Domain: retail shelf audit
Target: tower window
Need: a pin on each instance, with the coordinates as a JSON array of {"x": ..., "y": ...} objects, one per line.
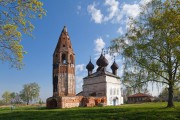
[
  {"x": 64, "y": 46},
  {"x": 64, "y": 61}
]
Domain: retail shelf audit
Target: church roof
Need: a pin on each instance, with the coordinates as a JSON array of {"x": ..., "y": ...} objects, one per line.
[
  {"x": 80, "y": 94},
  {"x": 100, "y": 73},
  {"x": 139, "y": 95}
]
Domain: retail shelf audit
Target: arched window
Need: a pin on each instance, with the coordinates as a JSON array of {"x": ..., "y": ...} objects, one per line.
[
  {"x": 71, "y": 59},
  {"x": 117, "y": 91},
  {"x": 111, "y": 91},
  {"x": 64, "y": 61},
  {"x": 114, "y": 91}
]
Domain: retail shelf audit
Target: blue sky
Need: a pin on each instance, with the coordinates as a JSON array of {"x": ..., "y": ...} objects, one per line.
[{"x": 91, "y": 25}]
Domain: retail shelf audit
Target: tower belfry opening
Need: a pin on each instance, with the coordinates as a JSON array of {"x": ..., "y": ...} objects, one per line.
[{"x": 64, "y": 61}]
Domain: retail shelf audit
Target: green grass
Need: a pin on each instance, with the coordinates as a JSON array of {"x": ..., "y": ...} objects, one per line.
[{"x": 147, "y": 111}]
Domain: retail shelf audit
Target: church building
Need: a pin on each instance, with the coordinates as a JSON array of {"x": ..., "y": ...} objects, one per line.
[
  {"x": 103, "y": 83},
  {"x": 100, "y": 87}
]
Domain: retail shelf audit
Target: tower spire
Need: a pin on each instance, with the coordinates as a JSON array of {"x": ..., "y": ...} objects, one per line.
[{"x": 65, "y": 29}]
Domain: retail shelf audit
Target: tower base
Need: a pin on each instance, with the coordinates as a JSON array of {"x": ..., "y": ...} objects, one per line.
[{"x": 76, "y": 101}]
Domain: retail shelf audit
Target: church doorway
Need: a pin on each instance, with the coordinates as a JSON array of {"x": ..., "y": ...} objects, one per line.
[{"x": 115, "y": 101}]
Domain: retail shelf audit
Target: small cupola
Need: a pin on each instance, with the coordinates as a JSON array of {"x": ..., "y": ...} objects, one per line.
[
  {"x": 114, "y": 67},
  {"x": 102, "y": 61},
  {"x": 90, "y": 67}
]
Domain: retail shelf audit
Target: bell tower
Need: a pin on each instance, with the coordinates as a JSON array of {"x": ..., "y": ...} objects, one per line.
[{"x": 64, "y": 66}]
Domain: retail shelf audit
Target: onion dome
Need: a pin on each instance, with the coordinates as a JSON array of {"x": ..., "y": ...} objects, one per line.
[
  {"x": 99, "y": 68},
  {"x": 102, "y": 61},
  {"x": 90, "y": 66},
  {"x": 98, "y": 62},
  {"x": 114, "y": 66}
]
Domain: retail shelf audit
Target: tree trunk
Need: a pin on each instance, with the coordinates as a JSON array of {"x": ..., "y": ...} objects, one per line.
[
  {"x": 170, "y": 96},
  {"x": 27, "y": 102}
]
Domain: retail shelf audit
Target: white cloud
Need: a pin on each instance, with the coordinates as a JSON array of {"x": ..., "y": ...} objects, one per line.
[
  {"x": 120, "y": 71},
  {"x": 99, "y": 45},
  {"x": 80, "y": 68},
  {"x": 131, "y": 10},
  {"x": 96, "y": 14},
  {"x": 113, "y": 9},
  {"x": 143, "y": 2},
  {"x": 120, "y": 30},
  {"x": 110, "y": 61},
  {"x": 115, "y": 13},
  {"x": 79, "y": 7}
]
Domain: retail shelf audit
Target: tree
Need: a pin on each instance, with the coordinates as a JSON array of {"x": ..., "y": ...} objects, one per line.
[
  {"x": 6, "y": 97},
  {"x": 15, "y": 17},
  {"x": 1, "y": 102},
  {"x": 132, "y": 80},
  {"x": 40, "y": 102},
  {"x": 30, "y": 92},
  {"x": 15, "y": 98},
  {"x": 163, "y": 96},
  {"x": 152, "y": 44}
]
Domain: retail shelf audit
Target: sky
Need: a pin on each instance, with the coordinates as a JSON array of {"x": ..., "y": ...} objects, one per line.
[{"x": 91, "y": 25}]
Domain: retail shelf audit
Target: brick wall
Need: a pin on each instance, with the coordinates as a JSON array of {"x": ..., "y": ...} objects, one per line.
[{"x": 76, "y": 101}]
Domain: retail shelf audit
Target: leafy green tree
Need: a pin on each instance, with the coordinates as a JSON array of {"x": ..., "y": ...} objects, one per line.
[
  {"x": 1, "y": 102},
  {"x": 15, "y": 98},
  {"x": 40, "y": 102},
  {"x": 152, "y": 44},
  {"x": 132, "y": 80},
  {"x": 30, "y": 92},
  {"x": 6, "y": 97},
  {"x": 15, "y": 20},
  {"x": 163, "y": 96}
]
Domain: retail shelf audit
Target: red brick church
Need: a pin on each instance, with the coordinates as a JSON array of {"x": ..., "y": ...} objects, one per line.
[{"x": 64, "y": 93}]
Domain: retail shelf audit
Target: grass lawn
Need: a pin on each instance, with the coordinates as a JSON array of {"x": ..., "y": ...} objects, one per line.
[{"x": 146, "y": 111}]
